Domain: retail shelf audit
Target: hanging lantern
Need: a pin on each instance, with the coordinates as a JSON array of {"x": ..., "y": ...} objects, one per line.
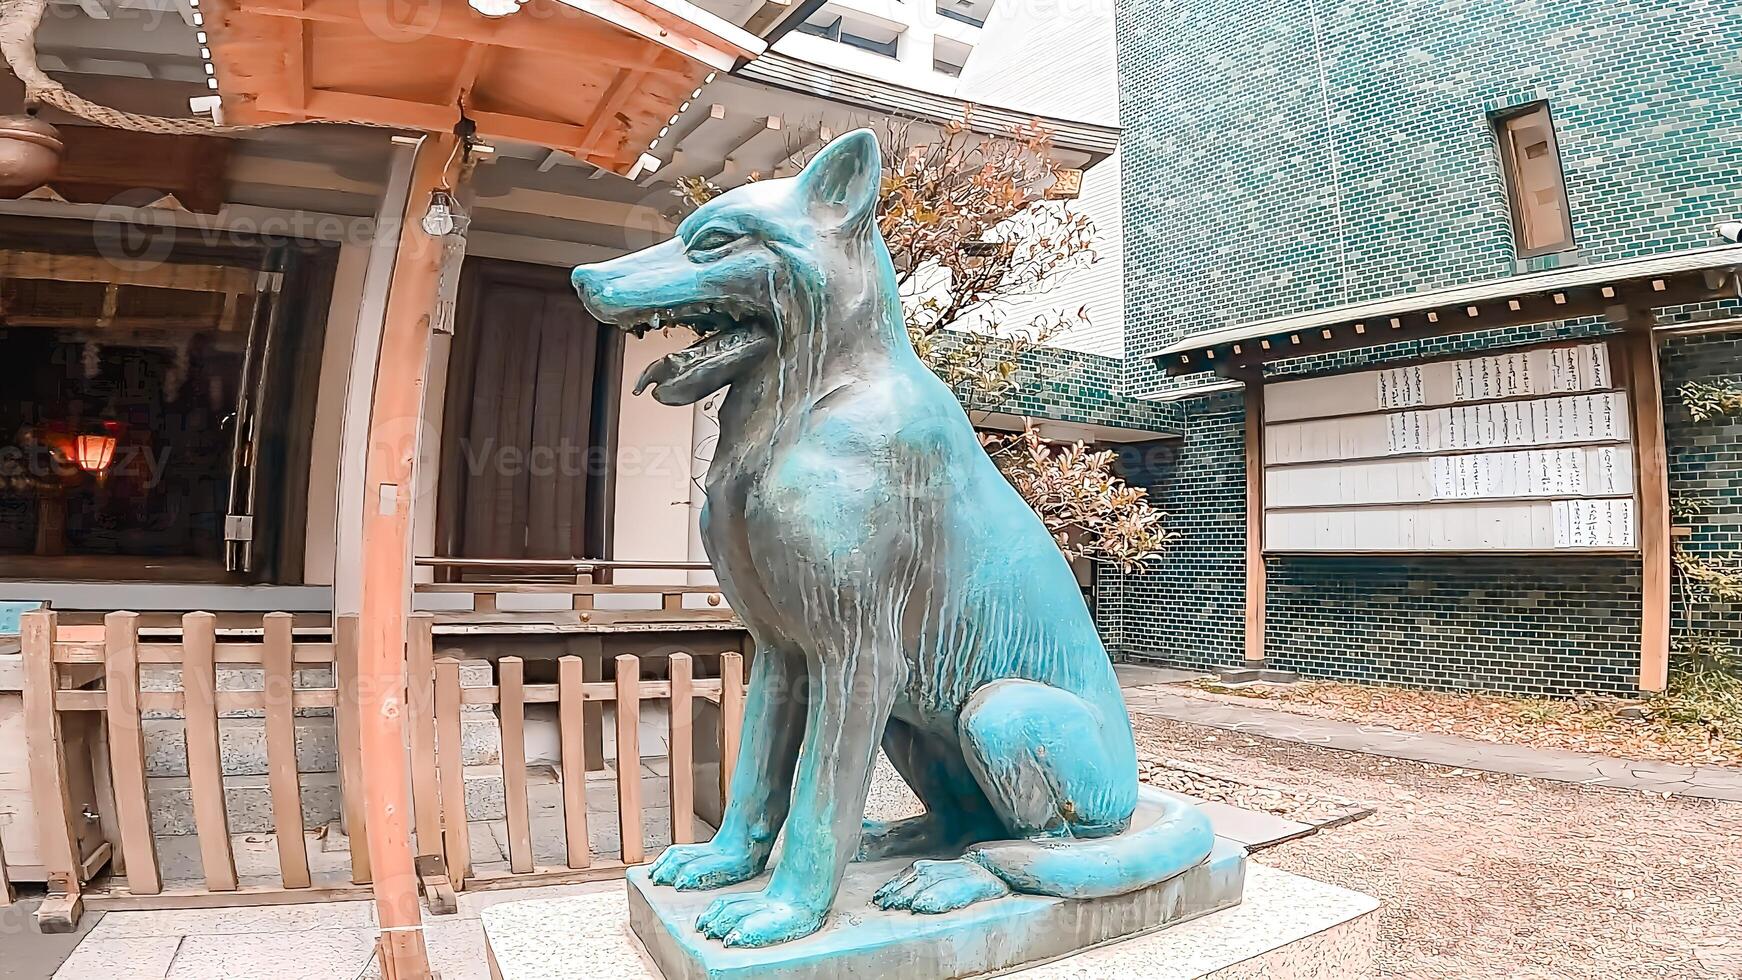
[
  {"x": 94, "y": 453},
  {"x": 30, "y": 154}
]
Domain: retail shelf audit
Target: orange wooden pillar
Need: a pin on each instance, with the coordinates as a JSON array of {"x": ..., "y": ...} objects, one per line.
[{"x": 395, "y": 419}]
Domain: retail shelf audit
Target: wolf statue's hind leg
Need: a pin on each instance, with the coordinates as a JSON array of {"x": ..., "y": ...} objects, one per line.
[
  {"x": 957, "y": 812},
  {"x": 1065, "y": 784}
]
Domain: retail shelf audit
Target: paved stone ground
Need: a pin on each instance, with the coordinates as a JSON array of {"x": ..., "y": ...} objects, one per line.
[
  {"x": 1493, "y": 875},
  {"x": 26, "y": 954},
  {"x": 1706, "y": 782}
]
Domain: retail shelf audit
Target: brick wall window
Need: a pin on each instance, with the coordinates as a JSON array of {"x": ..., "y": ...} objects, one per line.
[{"x": 1536, "y": 189}]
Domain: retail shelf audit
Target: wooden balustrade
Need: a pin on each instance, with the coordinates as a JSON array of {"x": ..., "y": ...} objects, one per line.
[{"x": 70, "y": 670}]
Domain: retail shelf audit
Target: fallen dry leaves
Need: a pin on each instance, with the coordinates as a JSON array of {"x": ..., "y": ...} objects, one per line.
[{"x": 1591, "y": 724}]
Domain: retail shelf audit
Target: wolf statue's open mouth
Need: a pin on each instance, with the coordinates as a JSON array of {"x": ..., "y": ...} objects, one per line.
[{"x": 730, "y": 335}]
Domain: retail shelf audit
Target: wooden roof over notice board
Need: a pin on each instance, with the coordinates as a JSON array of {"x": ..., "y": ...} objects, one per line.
[
  {"x": 595, "y": 78},
  {"x": 1693, "y": 276}
]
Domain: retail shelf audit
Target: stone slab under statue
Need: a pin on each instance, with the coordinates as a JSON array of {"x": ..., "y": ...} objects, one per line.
[
  {"x": 902, "y": 596},
  {"x": 860, "y": 940},
  {"x": 1285, "y": 928}
]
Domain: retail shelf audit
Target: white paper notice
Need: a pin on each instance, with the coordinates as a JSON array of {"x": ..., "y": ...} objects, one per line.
[
  {"x": 1608, "y": 413},
  {"x": 1623, "y": 522},
  {"x": 1564, "y": 370},
  {"x": 1400, "y": 387},
  {"x": 1608, "y": 471},
  {"x": 1597, "y": 366},
  {"x": 1593, "y": 523}
]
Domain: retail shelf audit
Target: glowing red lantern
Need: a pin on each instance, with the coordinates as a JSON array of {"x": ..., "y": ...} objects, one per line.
[{"x": 94, "y": 453}]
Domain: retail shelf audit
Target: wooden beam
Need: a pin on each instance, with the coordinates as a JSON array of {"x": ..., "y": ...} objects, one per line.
[
  {"x": 121, "y": 272},
  {"x": 1256, "y": 585},
  {"x": 296, "y": 60},
  {"x": 1651, "y": 464},
  {"x": 389, "y": 474},
  {"x": 467, "y": 75},
  {"x": 457, "y": 22},
  {"x": 1562, "y": 305},
  {"x": 677, "y": 162},
  {"x": 431, "y": 118},
  {"x": 627, "y": 82},
  {"x": 736, "y": 165}
]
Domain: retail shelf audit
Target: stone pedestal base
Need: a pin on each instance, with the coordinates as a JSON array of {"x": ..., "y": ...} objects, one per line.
[
  {"x": 862, "y": 941},
  {"x": 1287, "y": 928}
]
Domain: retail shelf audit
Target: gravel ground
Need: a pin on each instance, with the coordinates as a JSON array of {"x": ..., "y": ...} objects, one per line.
[
  {"x": 1483, "y": 875},
  {"x": 1319, "y": 809}
]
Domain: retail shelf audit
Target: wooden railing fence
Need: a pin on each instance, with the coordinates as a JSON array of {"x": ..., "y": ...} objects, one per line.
[
  {"x": 62, "y": 676},
  {"x": 69, "y": 671},
  {"x": 438, "y": 777}
]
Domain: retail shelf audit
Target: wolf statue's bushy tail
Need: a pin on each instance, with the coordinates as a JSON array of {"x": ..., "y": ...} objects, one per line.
[{"x": 885, "y": 569}]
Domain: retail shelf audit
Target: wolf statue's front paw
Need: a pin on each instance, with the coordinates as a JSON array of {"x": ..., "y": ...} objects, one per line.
[
  {"x": 758, "y": 919},
  {"x": 703, "y": 867},
  {"x": 934, "y": 887}
]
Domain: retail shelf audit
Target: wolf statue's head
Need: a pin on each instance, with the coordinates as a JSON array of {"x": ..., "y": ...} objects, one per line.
[{"x": 780, "y": 279}]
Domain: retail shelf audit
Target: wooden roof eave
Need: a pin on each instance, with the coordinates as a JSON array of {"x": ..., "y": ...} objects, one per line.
[
  {"x": 1696, "y": 276},
  {"x": 681, "y": 26},
  {"x": 632, "y": 43}
]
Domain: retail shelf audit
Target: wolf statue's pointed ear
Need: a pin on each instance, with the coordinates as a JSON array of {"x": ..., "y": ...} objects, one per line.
[{"x": 842, "y": 184}]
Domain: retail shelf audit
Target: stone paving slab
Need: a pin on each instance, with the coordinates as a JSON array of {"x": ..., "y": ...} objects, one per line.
[
  {"x": 1254, "y": 829},
  {"x": 1704, "y": 782}
]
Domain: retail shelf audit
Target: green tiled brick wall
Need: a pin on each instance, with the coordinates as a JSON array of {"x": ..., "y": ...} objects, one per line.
[
  {"x": 1705, "y": 462},
  {"x": 1241, "y": 204},
  {"x": 1539, "y": 626},
  {"x": 1189, "y": 607},
  {"x": 1073, "y": 386},
  {"x": 1285, "y": 157}
]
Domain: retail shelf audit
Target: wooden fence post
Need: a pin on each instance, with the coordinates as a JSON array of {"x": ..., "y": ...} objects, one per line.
[
  {"x": 56, "y": 837},
  {"x": 199, "y": 683},
  {"x": 681, "y": 777},
  {"x": 345, "y": 718},
  {"x": 629, "y": 759},
  {"x": 450, "y": 763},
  {"x": 432, "y": 867},
  {"x": 571, "y": 690},
  {"x": 731, "y": 718},
  {"x": 127, "y": 750},
  {"x": 512, "y": 698},
  {"x": 282, "y": 779}
]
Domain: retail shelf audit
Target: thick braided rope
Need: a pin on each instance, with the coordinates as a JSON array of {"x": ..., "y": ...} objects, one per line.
[{"x": 18, "y": 24}]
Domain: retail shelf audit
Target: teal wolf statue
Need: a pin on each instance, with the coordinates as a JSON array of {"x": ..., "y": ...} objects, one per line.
[{"x": 899, "y": 591}]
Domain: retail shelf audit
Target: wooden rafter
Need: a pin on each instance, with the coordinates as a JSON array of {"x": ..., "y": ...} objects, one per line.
[
  {"x": 600, "y": 124},
  {"x": 436, "y": 118},
  {"x": 296, "y": 60},
  {"x": 470, "y": 68}
]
